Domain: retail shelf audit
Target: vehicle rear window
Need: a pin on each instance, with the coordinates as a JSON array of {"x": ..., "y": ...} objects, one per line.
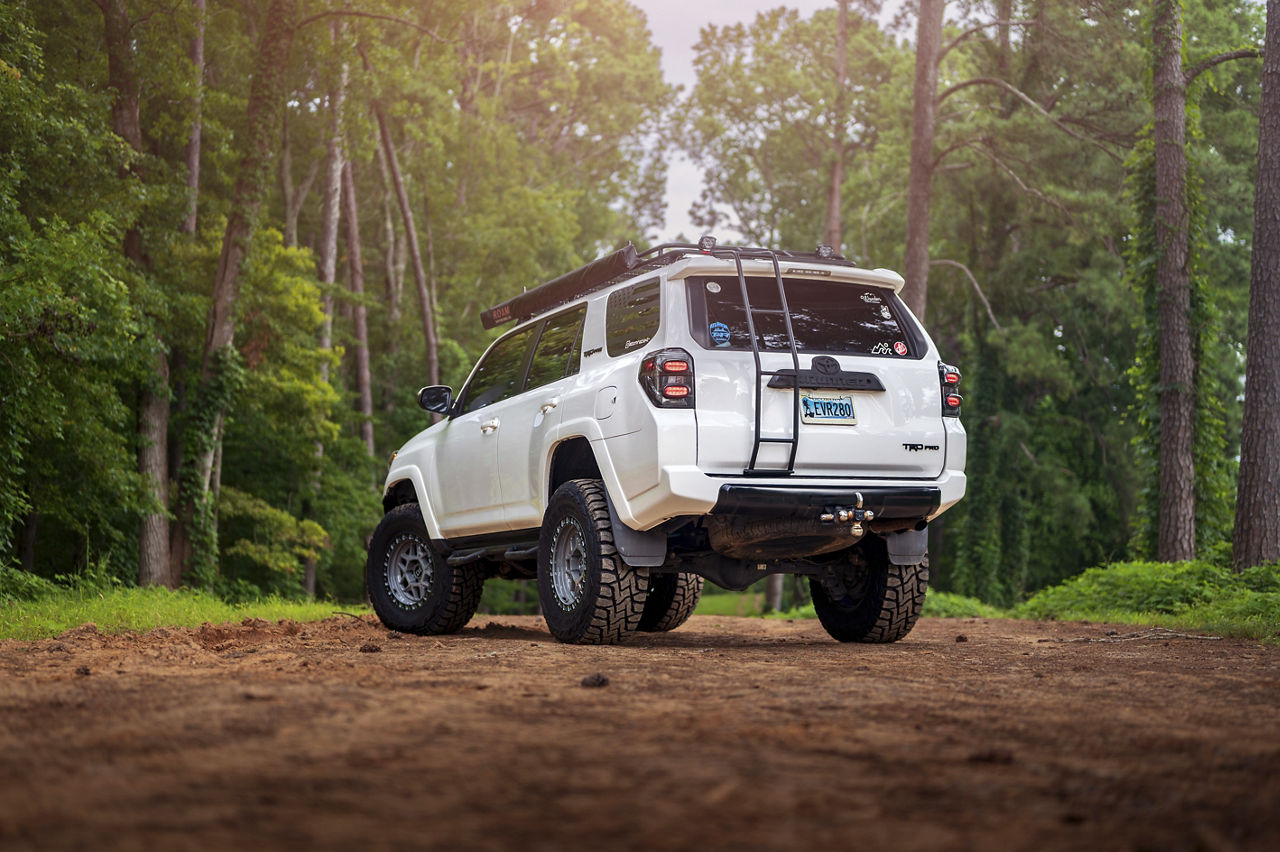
[
  {"x": 826, "y": 316},
  {"x": 631, "y": 319}
]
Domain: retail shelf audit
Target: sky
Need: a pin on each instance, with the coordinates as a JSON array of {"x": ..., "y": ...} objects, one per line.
[{"x": 675, "y": 25}]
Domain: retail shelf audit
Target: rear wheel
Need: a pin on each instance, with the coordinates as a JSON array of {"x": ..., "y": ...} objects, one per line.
[
  {"x": 588, "y": 595},
  {"x": 412, "y": 588},
  {"x": 869, "y": 599},
  {"x": 672, "y": 599}
]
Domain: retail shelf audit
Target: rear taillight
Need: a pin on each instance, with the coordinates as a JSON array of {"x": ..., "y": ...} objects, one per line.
[
  {"x": 950, "y": 379},
  {"x": 667, "y": 377}
]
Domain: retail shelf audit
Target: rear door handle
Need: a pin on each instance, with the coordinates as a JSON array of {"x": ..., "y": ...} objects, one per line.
[{"x": 489, "y": 426}]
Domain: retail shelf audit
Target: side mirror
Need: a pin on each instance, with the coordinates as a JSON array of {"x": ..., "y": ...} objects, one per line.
[{"x": 437, "y": 398}]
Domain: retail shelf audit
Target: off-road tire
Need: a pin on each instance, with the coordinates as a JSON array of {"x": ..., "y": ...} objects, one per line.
[
  {"x": 878, "y": 602},
  {"x": 672, "y": 599},
  {"x": 410, "y": 585},
  {"x": 588, "y": 596}
]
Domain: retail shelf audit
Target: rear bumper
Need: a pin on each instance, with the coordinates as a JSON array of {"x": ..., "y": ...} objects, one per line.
[
  {"x": 686, "y": 490},
  {"x": 913, "y": 502}
]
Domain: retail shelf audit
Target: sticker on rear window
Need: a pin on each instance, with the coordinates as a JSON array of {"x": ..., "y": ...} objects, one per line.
[
  {"x": 713, "y": 287},
  {"x": 719, "y": 333},
  {"x": 900, "y": 348}
]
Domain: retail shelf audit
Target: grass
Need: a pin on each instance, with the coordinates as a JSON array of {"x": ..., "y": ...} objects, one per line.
[
  {"x": 731, "y": 603},
  {"x": 1190, "y": 596},
  {"x": 121, "y": 609}
]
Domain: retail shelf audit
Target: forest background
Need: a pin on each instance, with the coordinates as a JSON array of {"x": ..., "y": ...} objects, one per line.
[{"x": 236, "y": 237}]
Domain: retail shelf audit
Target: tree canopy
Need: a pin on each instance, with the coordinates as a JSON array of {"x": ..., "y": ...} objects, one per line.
[{"x": 487, "y": 147}]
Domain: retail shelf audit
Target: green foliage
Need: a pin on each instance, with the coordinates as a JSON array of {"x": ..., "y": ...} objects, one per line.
[
  {"x": 277, "y": 540},
  {"x": 68, "y": 332},
  {"x": 532, "y": 137},
  {"x": 760, "y": 122},
  {"x": 119, "y": 610},
  {"x": 1132, "y": 587},
  {"x": 18, "y": 585},
  {"x": 949, "y": 605},
  {"x": 509, "y": 597},
  {"x": 1189, "y": 596}
]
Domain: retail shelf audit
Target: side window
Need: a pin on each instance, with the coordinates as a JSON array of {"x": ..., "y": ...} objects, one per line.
[
  {"x": 501, "y": 373},
  {"x": 559, "y": 348},
  {"x": 631, "y": 319}
]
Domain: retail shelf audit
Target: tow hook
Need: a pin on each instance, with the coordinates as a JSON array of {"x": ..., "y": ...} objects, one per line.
[{"x": 846, "y": 515}]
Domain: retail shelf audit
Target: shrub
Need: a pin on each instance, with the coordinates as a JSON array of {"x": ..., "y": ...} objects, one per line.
[
  {"x": 19, "y": 585},
  {"x": 1153, "y": 587}
]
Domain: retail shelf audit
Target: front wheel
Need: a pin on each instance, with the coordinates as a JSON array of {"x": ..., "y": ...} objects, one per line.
[
  {"x": 871, "y": 600},
  {"x": 588, "y": 595},
  {"x": 412, "y": 588}
]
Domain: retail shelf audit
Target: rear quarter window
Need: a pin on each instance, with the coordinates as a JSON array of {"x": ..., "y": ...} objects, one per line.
[{"x": 631, "y": 318}]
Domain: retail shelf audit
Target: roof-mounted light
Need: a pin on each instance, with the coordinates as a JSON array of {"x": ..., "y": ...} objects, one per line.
[
  {"x": 706, "y": 243},
  {"x": 825, "y": 252}
]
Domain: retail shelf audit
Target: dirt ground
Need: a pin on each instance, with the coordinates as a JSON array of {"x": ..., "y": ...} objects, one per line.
[{"x": 727, "y": 733}]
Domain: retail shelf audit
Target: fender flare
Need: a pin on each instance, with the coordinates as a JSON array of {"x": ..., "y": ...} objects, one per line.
[{"x": 413, "y": 475}]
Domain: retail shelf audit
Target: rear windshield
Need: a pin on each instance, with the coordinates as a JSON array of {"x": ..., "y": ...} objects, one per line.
[{"x": 826, "y": 316}]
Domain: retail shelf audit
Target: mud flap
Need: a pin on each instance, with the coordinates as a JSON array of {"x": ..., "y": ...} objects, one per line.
[
  {"x": 907, "y": 547},
  {"x": 638, "y": 549}
]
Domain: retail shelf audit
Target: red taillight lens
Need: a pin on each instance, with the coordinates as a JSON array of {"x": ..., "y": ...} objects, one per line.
[
  {"x": 667, "y": 378},
  {"x": 949, "y": 377}
]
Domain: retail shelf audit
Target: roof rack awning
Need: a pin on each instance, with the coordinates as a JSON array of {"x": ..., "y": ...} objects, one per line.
[{"x": 569, "y": 286}]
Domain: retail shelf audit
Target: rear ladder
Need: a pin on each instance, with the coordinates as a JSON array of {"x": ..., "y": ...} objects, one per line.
[{"x": 762, "y": 374}]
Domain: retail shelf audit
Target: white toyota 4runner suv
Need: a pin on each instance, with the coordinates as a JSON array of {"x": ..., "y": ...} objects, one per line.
[{"x": 688, "y": 412}]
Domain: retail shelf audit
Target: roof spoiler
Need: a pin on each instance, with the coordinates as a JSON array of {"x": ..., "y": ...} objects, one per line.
[{"x": 557, "y": 291}]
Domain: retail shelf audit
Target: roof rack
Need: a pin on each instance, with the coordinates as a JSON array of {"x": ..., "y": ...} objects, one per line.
[{"x": 626, "y": 262}]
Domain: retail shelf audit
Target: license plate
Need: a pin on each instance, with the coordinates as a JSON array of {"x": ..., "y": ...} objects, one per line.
[{"x": 826, "y": 408}]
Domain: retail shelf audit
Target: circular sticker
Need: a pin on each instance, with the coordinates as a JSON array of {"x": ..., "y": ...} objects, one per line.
[
  {"x": 719, "y": 333},
  {"x": 900, "y": 348},
  {"x": 713, "y": 287}
]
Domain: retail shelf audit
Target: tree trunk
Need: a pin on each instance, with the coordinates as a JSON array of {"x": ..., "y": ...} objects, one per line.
[
  {"x": 915, "y": 265},
  {"x": 364, "y": 384},
  {"x": 833, "y": 233},
  {"x": 773, "y": 585},
  {"x": 327, "y": 259},
  {"x": 197, "y": 110},
  {"x": 27, "y": 542},
  {"x": 292, "y": 196},
  {"x": 153, "y": 463},
  {"x": 411, "y": 239},
  {"x": 153, "y": 396},
  {"x": 263, "y": 118},
  {"x": 1257, "y": 527},
  {"x": 1176, "y": 535}
]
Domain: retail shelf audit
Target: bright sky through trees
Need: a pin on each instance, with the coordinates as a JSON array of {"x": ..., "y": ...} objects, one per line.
[{"x": 675, "y": 25}]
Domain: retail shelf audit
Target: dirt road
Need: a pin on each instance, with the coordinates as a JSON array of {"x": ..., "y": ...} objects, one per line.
[{"x": 728, "y": 733}]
